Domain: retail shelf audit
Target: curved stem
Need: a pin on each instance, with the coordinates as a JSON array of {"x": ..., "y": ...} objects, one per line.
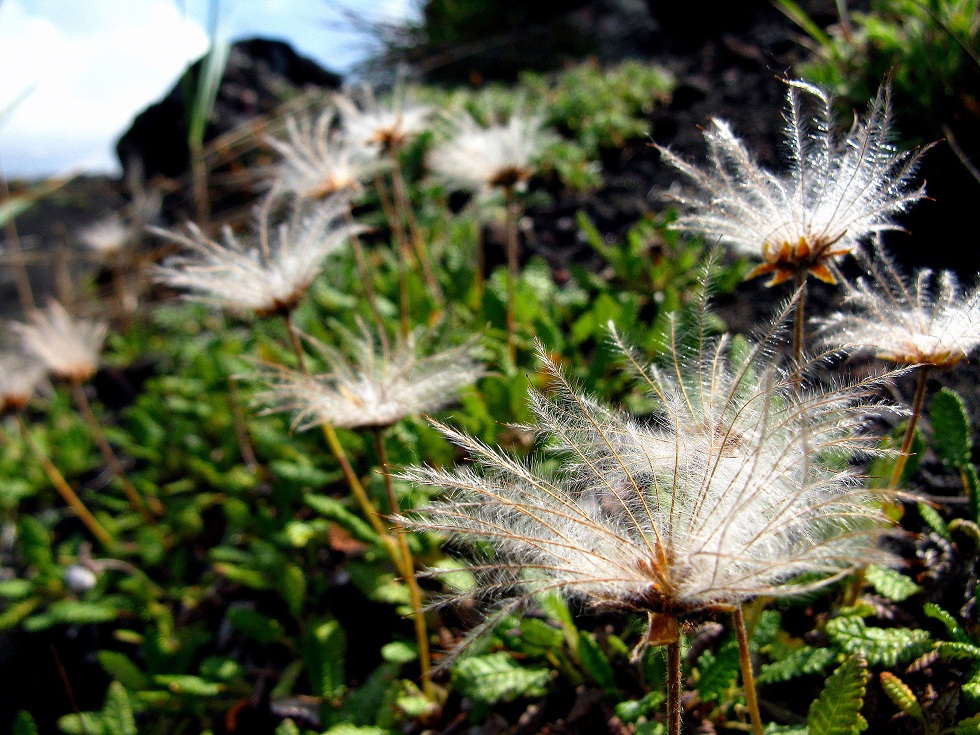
[
  {"x": 903, "y": 457},
  {"x": 404, "y": 207},
  {"x": 748, "y": 678},
  {"x": 367, "y": 277},
  {"x": 674, "y": 688},
  {"x": 404, "y": 248},
  {"x": 109, "y": 455},
  {"x": 408, "y": 571},
  {"x": 63, "y": 488},
  {"x": 799, "y": 320}
]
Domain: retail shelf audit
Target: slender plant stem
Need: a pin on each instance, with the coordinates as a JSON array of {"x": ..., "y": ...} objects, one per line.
[
  {"x": 64, "y": 489},
  {"x": 799, "y": 321},
  {"x": 903, "y": 457},
  {"x": 479, "y": 276},
  {"x": 513, "y": 265},
  {"x": 146, "y": 508},
  {"x": 367, "y": 278},
  {"x": 403, "y": 206},
  {"x": 407, "y": 571},
  {"x": 199, "y": 183},
  {"x": 241, "y": 426},
  {"x": 405, "y": 250},
  {"x": 333, "y": 441},
  {"x": 23, "y": 281},
  {"x": 748, "y": 678},
  {"x": 295, "y": 343},
  {"x": 674, "y": 688}
]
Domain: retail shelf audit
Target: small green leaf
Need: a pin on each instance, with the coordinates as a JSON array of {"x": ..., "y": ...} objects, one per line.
[
  {"x": 952, "y": 627},
  {"x": 890, "y": 583},
  {"x": 72, "y": 612},
  {"x": 718, "y": 672},
  {"x": 255, "y": 625},
  {"x": 287, "y": 727},
  {"x": 969, "y": 726},
  {"x": 899, "y": 693},
  {"x": 950, "y": 429},
  {"x": 837, "y": 711},
  {"x": 801, "y": 662},
  {"x": 497, "y": 677},
  {"x": 959, "y": 651},
  {"x": 193, "y": 686},
  {"x": 117, "y": 714},
  {"x": 972, "y": 687},
  {"x": 632, "y": 710},
  {"x": 324, "y": 650},
  {"x": 595, "y": 661},
  {"x": 121, "y": 668},
  {"x": 879, "y": 646},
  {"x": 932, "y": 519},
  {"x": 24, "y": 724}
]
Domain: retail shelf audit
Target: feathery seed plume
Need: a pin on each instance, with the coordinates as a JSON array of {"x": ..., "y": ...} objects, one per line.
[
  {"x": 925, "y": 320},
  {"x": 318, "y": 161},
  {"x": 107, "y": 236},
  {"x": 836, "y": 193},
  {"x": 481, "y": 158},
  {"x": 69, "y": 347},
  {"x": 20, "y": 374},
  {"x": 376, "y": 386},
  {"x": 269, "y": 277},
  {"x": 737, "y": 485},
  {"x": 383, "y": 125}
]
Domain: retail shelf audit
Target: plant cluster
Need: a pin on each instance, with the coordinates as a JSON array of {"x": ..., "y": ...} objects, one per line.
[{"x": 667, "y": 526}]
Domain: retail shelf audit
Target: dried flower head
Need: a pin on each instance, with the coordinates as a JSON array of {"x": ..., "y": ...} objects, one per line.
[
  {"x": 927, "y": 320},
  {"x": 374, "y": 386},
  {"x": 383, "y": 125},
  {"x": 20, "y": 374},
  {"x": 268, "y": 277},
  {"x": 108, "y": 236},
  {"x": 481, "y": 158},
  {"x": 836, "y": 193},
  {"x": 732, "y": 489},
  {"x": 68, "y": 347},
  {"x": 318, "y": 161}
]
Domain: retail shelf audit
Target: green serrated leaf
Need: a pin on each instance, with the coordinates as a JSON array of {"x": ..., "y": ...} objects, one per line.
[
  {"x": 324, "y": 649},
  {"x": 192, "y": 686},
  {"x": 632, "y": 710},
  {"x": 287, "y": 727},
  {"x": 718, "y": 673},
  {"x": 117, "y": 714},
  {"x": 969, "y": 726},
  {"x": 72, "y": 612},
  {"x": 121, "y": 668},
  {"x": 802, "y": 662},
  {"x": 959, "y": 651},
  {"x": 879, "y": 646},
  {"x": 971, "y": 689},
  {"x": 890, "y": 583},
  {"x": 24, "y": 724},
  {"x": 837, "y": 711},
  {"x": 498, "y": 677},
  {"x": 595, "y": 661},
  {"x": 950, "y": 429},
  {"x": 952, "y": 627},
  {"x": 932, "y": 519},
  {"x": 900, "y": 693}
]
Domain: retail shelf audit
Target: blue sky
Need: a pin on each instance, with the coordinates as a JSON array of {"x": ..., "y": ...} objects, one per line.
[{"x": 84, "y": 68}]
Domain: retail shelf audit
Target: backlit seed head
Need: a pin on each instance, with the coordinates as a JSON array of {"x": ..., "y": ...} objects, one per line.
[
  {"x": 924, "y": 320},
  {"x": 69, "y": 347},
  {"x": 267, "y": 275},
  {"x": 837, "y": 192},
  {"x": 382, "y": 125},
  {"x": 736, "y": 485},
  {"x": 20, "y": 374},
  {"x": 373, "y": 384}
]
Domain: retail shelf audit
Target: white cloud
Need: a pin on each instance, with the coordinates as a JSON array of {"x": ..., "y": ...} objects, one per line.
[{"x": 92, "y": 65}]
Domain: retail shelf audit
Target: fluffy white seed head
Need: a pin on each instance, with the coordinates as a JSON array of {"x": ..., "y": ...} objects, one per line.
[
  {"x": 20, "y": 374},
  {"x": 481, "y": 158},
  {"x": 837, "y": 191},
  {"x": 69, "y": 347},
  {"x": 267, "y": 277},
  {"x": 108, "y": 236},
  {"x": 736, "y": 485},
  {"x": 373, "y": 383},
  {"x": 924, "y": 320},
  {"x": 318, "y": 161},
  {"x": 383, "y": 124}
]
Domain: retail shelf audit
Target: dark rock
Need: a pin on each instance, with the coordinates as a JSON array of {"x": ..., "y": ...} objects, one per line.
[{"x": 259, "y": 74}]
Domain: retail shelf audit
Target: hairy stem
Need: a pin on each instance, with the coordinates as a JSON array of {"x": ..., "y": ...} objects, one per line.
[
  {"x": 63, "y": 488},
  {"x": 903, "y": 457},
  {"x": 367, "y": 278},
  {"x": 404, "y": 209},
  {"x": 513, "y": 266},
  {"x": 146, "y": 508},
  {"x": 407, "y": 571},
  {"x": 674, "y": 688},
  {"x": 748, "y": 678},
  {"x": 404, "y": 249},
  {"x": 333, "y": 441},
  {"x": 799, "y": 320}
]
